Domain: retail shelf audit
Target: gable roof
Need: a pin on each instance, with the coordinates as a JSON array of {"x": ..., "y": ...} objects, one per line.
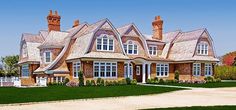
[
  {"x": 27, "y": 37},
  {"x": 184, "y": 46}
]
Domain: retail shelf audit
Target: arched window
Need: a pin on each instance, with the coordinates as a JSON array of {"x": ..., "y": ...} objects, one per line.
[
  {"x": 202, "y": 48},
  {"x": 131, "y": 48},
  {"x": 105, "y": 43}
]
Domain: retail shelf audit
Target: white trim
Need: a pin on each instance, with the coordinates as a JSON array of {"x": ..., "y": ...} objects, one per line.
[
  {"x": 197, "y": 65},
  {"x": 25, "y": 66},
  {"x": 45, "y": 61},
  {"x": 77, "y": 69},
  {"x": 164, "y": 66},
  {"x": 208, "y": 66},
  {"x": 203, "y": 47},
  {"x": 130, "y": 44},
  {"x": 105, "y": 65},
  {"x": 152, "y": 51},
  {"x": 109, "y": 37}
]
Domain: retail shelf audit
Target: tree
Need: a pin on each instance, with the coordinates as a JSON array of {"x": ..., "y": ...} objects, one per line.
[
  {"x": 229, "y": 58},
  {"x": 234, "y": 64},
  {"x": 9, "y": 64},
  {"x": 81, "y": 78}
]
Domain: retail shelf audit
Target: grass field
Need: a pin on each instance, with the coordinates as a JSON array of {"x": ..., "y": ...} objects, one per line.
[
  {"x": 53, "y": 93},
  {"x": 206, "y": 85},
  {"x": 199, "y": 108}
]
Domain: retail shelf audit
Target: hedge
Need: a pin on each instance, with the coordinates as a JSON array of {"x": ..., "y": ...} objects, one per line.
[{"x": 225, "y": 72}]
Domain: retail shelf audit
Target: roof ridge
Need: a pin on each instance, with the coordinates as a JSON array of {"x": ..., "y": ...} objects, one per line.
[{"x": 194, "y": 30}]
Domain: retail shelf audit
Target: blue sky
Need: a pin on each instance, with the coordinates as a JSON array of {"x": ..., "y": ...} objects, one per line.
[{"x": 29, "y": 16}]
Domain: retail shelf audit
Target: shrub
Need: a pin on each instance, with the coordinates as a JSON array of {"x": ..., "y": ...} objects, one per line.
[
  {"x": 72, "y": 84},
  {"x": 115, "y": 83},
  {"x": 148, "y": 81},
  {"x": 123, "y": 82},
  {"x": 134, "y": 82},
  {"x": 2, "y": 73},
  {"x": 170, "y": 81},
  {"x": 128, "y": 81},
  {"x": 49, "y": 84},
  {"x": 66, "y": 81},
  {"x": 81, "y": 79},
  {"x": 177, "y": 75},
  {"x": 225, "y": 72},
  {"x": 209, "y": 79},
  {"x": 218, "y": 80},
  {"x": 107, "y": 83},
  {"x": 88, "y": 83},
  {"x": 100, "y": 82},
  {"x": 161, "y": 81},
  {"x": 93, "y": 83}
]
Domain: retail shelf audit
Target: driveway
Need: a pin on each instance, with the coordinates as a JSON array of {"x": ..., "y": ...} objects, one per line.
[{"x": 194, "y": 97}]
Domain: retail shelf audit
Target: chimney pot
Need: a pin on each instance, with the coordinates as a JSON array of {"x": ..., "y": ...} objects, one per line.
[
  {"x": 53, "y": 21},
  {"x": 157, "y": 26},
  {"x": 76, "y": 23}
]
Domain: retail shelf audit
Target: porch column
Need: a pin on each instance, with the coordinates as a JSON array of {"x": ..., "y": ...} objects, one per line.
[
  {"x": 128, "y": 69},
  {"x": 149, "y": 70},
  {"x": 144, "y": 75}
]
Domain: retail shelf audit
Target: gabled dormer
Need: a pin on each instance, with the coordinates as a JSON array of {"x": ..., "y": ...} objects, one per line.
[{"x": 133, "y": 41}]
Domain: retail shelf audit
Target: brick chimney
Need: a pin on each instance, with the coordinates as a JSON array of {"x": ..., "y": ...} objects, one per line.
[
  {"x": 53, "y": 21},
  {"x": 157, "y": 25},
  {"x": 76, "y": 23}
]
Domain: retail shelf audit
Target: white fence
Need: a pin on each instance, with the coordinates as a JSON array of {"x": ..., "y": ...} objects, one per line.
[{"x": 10, "y": 81}]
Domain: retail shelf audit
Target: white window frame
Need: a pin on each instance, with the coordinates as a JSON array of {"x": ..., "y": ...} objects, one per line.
[
  {"x": 108, "y": 37},
  {"x": 25, "y": 66},
  {"x": 202, "y": 48},
  {"x": 196, "y": 66},
  {"x": 45, "y": 59},
  {"x": 138, "y": 70},
  {"x": 76, "y": 70},
  {"x": 59, "y": 79},
  {"x": 105, "y": 65},
  {"x": 208, "y": 69},
  {"x": 132, "y": 44},
  {"x": 164, "y": 66},
  {"x": 24, "y": 51},
  {"x": 151, "y": 51}
]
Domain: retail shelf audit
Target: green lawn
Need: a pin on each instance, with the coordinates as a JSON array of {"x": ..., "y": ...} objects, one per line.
[
  {"x": 206, "y": 85},
  {"x": 233, "y": 107},
  {"x": 53, "y": 93}
]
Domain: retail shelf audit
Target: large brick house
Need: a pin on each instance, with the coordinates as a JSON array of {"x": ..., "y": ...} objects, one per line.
[{"x": 101, "y": 50}]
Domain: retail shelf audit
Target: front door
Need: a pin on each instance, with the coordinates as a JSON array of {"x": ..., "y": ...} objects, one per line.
[
  {"x": 130, "y": 73},
  {"x": 138, "y": 73}
]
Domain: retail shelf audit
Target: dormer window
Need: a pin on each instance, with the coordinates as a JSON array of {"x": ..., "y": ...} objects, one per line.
[
  {"x": 24, "y": 51},
  {"x": 47, "y": 57},
  {"x": 153, "y": 50},
  {"x": 202, "y": 49},
  {"x": 105, "y": 43},
  {"x": 131, "y": 48}
]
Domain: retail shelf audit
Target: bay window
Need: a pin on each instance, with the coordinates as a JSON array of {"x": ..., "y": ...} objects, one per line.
[
  {"x": 208, "y": 69},
  {"x": 197, "y": 69},
  {"x": 105, "y": 43},
  {"x": 76, "y": 69},
  {"x": 105, "y": 69},
  {"x": 162, "y": 70}
]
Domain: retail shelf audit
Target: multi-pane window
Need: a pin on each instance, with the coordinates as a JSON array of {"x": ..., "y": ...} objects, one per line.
[
  {"x": 25, "y": 70},
  {"x": 105, "y": 43},
  {"x": 24, "y": 51},
  {"x": 131, "y": 48},
  {"x": 58, "y": 79},
  {"x": 202, "y": 49},
  {"x": 48, "y": 57},
  {"x": 208, "y": 69},
  {"x": 162, "y": 70},
  {"x": 152, "y": 50},
  {"x": 76, "y": 69},
  {"x": 196, "y": 69},
  {"x": 105, "y": 69}
]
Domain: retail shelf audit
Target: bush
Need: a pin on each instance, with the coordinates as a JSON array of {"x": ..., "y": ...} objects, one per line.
[
  {"x": 123, "y": 82},
  {"x": 218, "y": 80},
  {"x": 148, "y": 81},
  {"x": 115, "y": 83},
  {"x": 50, "y": 84},
  {"x": 66, "y": 81},
  {"x": 2, "y": 73},
  {"x": 209, "y": 79},
  {"x": 177, "y": 75},
  {"x": 93, "y": 83},
  {"x": 134, "y": 82},
  {"x": 225, "y": 72},
  {"x": 72, "y": 84},
  {"x": 88, "y": 83},
  {"x": 128, "y": 81},
  {"x": 161, "y": 81},
  {"x": 100, "y": 82},
  {"x": 107, "y": 83},
  {"x": 81, "y": 79}
]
